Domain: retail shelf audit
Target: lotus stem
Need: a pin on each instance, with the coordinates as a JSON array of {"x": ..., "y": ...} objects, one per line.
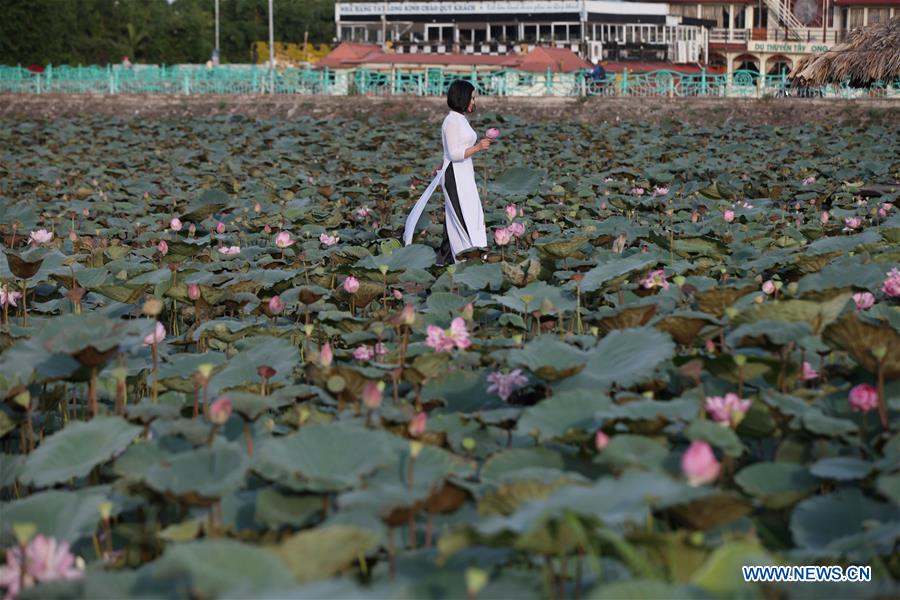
[
  {"x": 25, "y": 302},
  {"x": 578, "y": 309},
  {"x": 92, "y": 392},
  {"x": 212, "y": 435},
  {"x": 392, "y": 566},
  {"x": 882, "y": 404},
  {"x": 154, "y": 391},
  {"x": 248, "y": 438},
  {"x": 429, "y": 526}
]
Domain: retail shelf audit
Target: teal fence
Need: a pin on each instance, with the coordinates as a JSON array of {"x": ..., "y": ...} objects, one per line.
[{"x": 253, "y": 79}]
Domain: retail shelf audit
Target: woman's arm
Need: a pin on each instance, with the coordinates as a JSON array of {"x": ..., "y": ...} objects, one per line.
[{"x": 456, "y": 148}]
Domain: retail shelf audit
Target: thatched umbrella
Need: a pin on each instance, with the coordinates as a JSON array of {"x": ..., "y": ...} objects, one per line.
[{"x": 869, "y": 54}]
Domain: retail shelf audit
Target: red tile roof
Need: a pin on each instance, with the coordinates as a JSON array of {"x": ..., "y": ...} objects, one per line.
[
  {"x": 646, "y": 67},
  {"x": 560, "y": 60}
]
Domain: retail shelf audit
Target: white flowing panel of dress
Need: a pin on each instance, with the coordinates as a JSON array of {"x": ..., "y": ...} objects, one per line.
[{"x": 456, "y": 135}]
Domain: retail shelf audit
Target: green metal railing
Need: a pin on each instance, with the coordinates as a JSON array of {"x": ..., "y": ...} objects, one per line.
[{"x": 253, "y": 79}]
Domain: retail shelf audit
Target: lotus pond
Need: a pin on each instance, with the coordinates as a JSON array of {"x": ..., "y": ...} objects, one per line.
[{"x": 223, "y": 376}]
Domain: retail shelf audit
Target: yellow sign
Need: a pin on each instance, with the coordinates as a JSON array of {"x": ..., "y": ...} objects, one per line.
[{"x": 291, "y": 53}]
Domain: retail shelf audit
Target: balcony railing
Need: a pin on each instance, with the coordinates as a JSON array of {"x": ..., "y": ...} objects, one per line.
[{"x": 725, "y": 35}]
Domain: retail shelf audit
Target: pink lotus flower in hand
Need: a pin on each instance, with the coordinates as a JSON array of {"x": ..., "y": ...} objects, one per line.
[
  {"x": 808, "y": 372},
  {"x": 699, "y": 464},
  {"x": 510, "y": 211},
  {"x": 516, "y": 229},
  {"x": 505, "y": 384},
  {"x": 41, "y": 236},
  {"x": 175, "y": 224},
  {"x": 502, "y": 236},
  {"x": 351, "y": 285},
  {"x": 863, "y": 398},
  {"x": 46, "y": 560},
  {"x": 219, "y": 411},
  {"x": 9, "y": 298},
  {"x": 283, "y": 239},
  {"x": 891, "y": 285},
  {"x": 864, "y": 300},
  {"x": 163, "y": 247},
  {"x": 728, "y": 216},
  {"x": 655, "y": 279},
  {"x": 329, "y": 240},
  {"x": 229, "y": 250},
  {"x": 727, "y": 410},
  {"x": 492, "y": 133},
  {"x": 158, "y": 335},
  {"x": 276, "y": 305}
]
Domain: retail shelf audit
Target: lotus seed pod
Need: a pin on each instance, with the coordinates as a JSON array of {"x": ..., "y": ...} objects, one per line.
[{"x": 152, "y": 307}]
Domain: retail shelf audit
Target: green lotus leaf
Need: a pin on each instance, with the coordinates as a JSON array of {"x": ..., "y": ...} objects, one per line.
[{"x": 777, "y": 484}]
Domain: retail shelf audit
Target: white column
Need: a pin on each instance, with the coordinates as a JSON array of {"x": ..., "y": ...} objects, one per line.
[
  {"x": 748, "y": 17},
  {"x": 730, "y": 22}
]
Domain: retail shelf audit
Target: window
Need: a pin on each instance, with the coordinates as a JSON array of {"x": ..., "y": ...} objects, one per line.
[
  {"x": 879, "y": 15},
  {"x": 545, "y": 32},
  {"x": 715, "y": 12},
  {"x": 530, "y": 33},
  {"x": 854, "y": 18},
  {"x": 683, "y": 10}
]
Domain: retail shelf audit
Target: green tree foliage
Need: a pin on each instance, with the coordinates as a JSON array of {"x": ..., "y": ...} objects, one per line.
[{"x": 151, "y": 31}]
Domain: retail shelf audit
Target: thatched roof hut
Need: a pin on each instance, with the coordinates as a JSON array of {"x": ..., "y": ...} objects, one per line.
[{"x": 869, "y": 54}]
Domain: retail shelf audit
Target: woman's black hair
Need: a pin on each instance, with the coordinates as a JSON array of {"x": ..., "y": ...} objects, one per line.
[{"x": 460, "y": 95}]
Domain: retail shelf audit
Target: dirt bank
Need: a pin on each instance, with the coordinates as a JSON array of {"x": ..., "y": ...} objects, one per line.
[{"x": 708, "y": 111}]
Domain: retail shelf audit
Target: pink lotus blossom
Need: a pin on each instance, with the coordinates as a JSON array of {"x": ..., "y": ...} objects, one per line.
[
  {"x": 695, "y": 216},
  {"x": 229, "y": 250},
  {"x": 326, "y": 356},
  {"x": 608, "y": 180},
  {"x": 283, "y": 239},
  {"x": 502, "y": 236},
  {"x": 459, "y": 334},
  {"x": 601, "y": 440},
  {"x": 163, "y": 247},
  {"x": 408, "y": 314},
  {"x": 710, "y": 346},
  {"x": 728, "y": 216},
  {"x": 655, "y": 279},
  {"x": 46, "y": 560},
  {"x": 516, "y": 229},
  {"x": 363, "y": 213},
  {"x": 637, "y": 191},
  {"x": 768, "y": 287},
  {"x": 511, "y": 211},
  {"x": 809, "y": 180},
  {"x": 863, "y": 398},
  {"x": 891, "y": 285},
  {"x": 158, "y": 335},
  {"x": 219, "y": 411},
  {"x": 41, "y": 236},
  {"x": 276, "y": 305},
  {"x": 380, "y": 349},
  {"x": 862, "y": 202},
  {"x": 884, "y": 209},
  {"x": 398, "y": 295},
  {"x": 660, "y": 191},
  {"x": 418, "y": 424},
  {"x": 699, "y": 464},
  {"x": 192, "y": 229},
  {"x": 372, "y": 394},
  {"x": 505, "y": 384},
  {"x": 863, "y": 300},
  {"x": 492, "y": 133},
  {"x": 193, "y": 291},
  {"x": 851, "y": 223},
  {"x": 364, "y": 353},
  {"x": 445, "y": 340},
  {"x": 175, "y": 224},
  {"x": 808, "y": 372},
  {"x": 351, "y": 284},
  {"x": 220, "y": 227},
  {"x": 329, "y": 240},
  {"x": 9, "y": 298},
  {"x": 727, "y": 410},
  {"x": 267, "y": 229},
  {"x": 257, "y": 208}
]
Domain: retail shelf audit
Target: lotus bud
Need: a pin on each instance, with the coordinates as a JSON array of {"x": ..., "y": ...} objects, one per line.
[
  {"x": 192, "y": 229},
  {"x": 175, "y": 224},
  {"x": 163, "y": 247},
  {"x": 276, "y": 305},
  {"x": 105, "y": 509},
  {"x": 24, "y": 532},
  {"x": 220, "y": 228},
  {"x": 415, "y": 448},
  {"x": 326, "y": 357},
  {"x": 193, "y": 291},
  {"x": 418, "y": 424},
  {"x": 601, "y": 440},
  {"x": 476, "y": 580},
  {"x": 468, "y": 312},
  {"x": 372, "y": 394},
  {"x": 257, "y": 208},
  {"x": 219, "y": 411},
  {"x": 152, "y": 307},
  {"x": 408, "y": 316},
  {"x": 73, "y": 236}
]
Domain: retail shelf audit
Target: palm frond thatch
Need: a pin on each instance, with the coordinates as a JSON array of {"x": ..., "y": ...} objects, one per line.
[{"x": 869, "y": 54}]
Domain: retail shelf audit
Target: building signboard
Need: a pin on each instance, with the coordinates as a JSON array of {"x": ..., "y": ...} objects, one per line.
[
  {"x": 788, "y": 47},
  {"x": 497, "y": 7}
]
